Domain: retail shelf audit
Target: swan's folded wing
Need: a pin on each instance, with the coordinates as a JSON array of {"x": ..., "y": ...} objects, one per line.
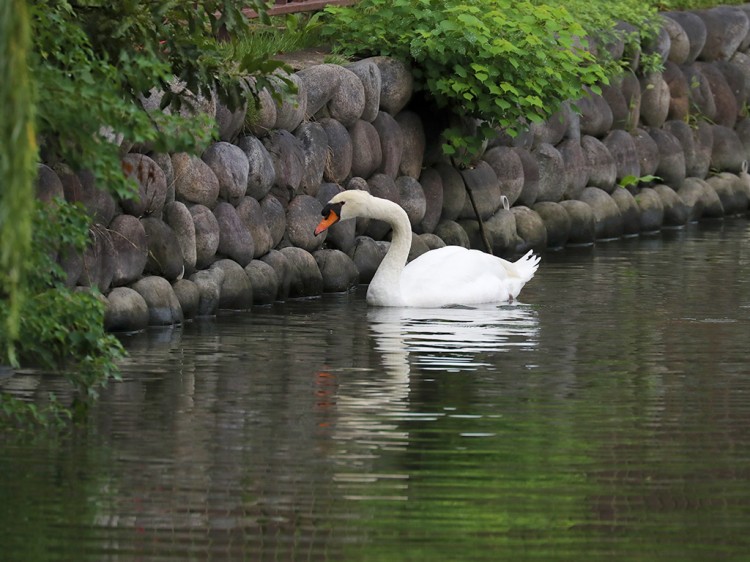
[{"x": 455, "y": 275}]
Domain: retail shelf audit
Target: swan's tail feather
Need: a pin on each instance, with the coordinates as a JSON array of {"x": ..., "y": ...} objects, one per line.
[{"x": 526, "y": 266}]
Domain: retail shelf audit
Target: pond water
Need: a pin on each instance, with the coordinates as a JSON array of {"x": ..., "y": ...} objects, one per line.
[{"x": 606, "y": 416}]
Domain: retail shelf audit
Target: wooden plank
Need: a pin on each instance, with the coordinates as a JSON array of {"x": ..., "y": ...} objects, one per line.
[{"x": 288, "y": 7}]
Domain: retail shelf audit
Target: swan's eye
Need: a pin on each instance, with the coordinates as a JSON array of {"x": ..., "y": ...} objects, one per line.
[{"x": 332, "y": 207}]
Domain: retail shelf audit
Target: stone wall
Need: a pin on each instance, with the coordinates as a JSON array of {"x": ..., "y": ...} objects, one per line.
[{"x": 234, "y": 227}]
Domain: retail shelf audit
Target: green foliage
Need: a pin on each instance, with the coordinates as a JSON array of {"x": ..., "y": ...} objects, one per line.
[
  {"x": 92, "y": 62},
  {"x": 61, "y": 330},
  {"x": 504, "y": 62},
  {"x": 632, "y": 181},
  {"x": 17, "y": 165},
  {"x": 293, "y": 32},
  {"x": 104, "y": 56},
  {"x": 603, "y": 22}
]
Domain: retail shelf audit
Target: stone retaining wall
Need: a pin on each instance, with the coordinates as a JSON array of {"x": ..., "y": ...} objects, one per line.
[{"x": 234, "y": 227}]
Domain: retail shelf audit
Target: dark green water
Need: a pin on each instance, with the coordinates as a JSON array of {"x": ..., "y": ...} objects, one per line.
[{"x": 606, "y": 417}]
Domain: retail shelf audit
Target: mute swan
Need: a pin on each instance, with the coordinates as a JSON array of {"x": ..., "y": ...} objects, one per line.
[{"x": 446, "y": 276}]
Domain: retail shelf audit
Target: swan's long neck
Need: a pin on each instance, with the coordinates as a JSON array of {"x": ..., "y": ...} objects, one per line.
[{"x": 385, "y": 287}]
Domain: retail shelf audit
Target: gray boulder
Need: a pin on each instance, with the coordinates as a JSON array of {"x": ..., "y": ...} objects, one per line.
[
  {"x": 235, "y": 240},
  {"x": 314, "y": 143},
  {"x": 372, "y": 82},
  {"x": 195, "y": 182},
  {"x": 152, "y": 186},
  {"x": 601, "y": 165},
  {"x": 130, "y": 249},
  {"x": 288, "y": 157},
  {"x": 724, "y": 98},
  {"x": 230, "y": 122},
  {"x": 551, "y": 173},
  {"x": 621, "y": 146},
  {"x": 531, "y": 229},
  {"x": 691, "y": 194},
  {"x": 607, "y": 216},
  {"x": 432, "y": 189},
  {"x": 412, "y": 198},
  {"x": 397, "y": 83},
  {"x": 726, "y": 28},
  {"x": 253, "y": 221},
  {"x": 208, "y": 282},
  {"x": 647, "y": 151},
  {"x": 694, "y": 28},
  {"x": 452, "y": 234},
  {"x": 263, "y": 280},
  {"x": 731, "y": 192},
  {"x": 348, "y": 100},
  {"x": 508, "y": 169},
  {"x": 293, "y": 108},
  {"x": 679, "y": 43},
  {"x": 320, "y": 81},
  {"x": 415, "y": 142},
  {"x": 340, "y": 150},
  {"x": 696, "y": 157},
  {"x": 206, "y": 235},
  {"x": 164, "y": 252},
  {"x": 556, "y": 222},
  {"x": 482, "y": 183},
  {"x": 728, "y": 152},
  {"x": 189, "y": 296},
  {"x": 235, "y": 291},
  {"x": 231, "y": 168},
  {"x": 671, "y": 168},
  {"x": 280, "y": 264},
  {"x": 263, "y": 116},
  {"x": 98, "y": 260},
  {"x": 81, "y": 188},
  {"x": 576, "y": 167},
  {"x": 47, "y": 185},
  {"x": 675, "y": 210},
  {"x": 163, "y": 307},
  {"x": 699, "y": 92},
  {"x": 530, "y": 166},
  {"x": 126, "y": 311},
  {"x": 612, "y": 94},
  {"x": 629, "y": 211},
  {"x": 302, "y": 216},
  {"x": 180, "y": 220},
  {"x": 582, "y": 222},
  {"x": 655, "y": 99},
  {"x": 391, "y": 144},
  {"x": 679, "y": 96},
  {"x": 275, "y": 216},
  {"x": 367, "y": 255},
  {"x": 305, "y": 277},
  {"x": 596, "y": 115},
  {"x": 432, "y": 241},
  {"x": 384, "y": 187},
  {"x": 261, "y": 173},
  {"x": 367, "y": 156},
  {"x": 337, "y": 269},
  {"x": 164, "y": 161},
  {"x": 652, "y": 210},
  {"x": 454, "y": 191}
]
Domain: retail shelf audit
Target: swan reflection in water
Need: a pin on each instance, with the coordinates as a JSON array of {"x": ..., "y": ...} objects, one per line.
[
  {"x": 450, "y": 339},
  {"x": 372, "y": 409}
]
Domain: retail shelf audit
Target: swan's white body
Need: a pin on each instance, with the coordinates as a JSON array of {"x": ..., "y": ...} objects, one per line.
[{"x": 446, "y": 276}]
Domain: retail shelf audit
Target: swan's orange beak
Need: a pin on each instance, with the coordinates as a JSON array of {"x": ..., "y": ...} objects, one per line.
[{"x": 328, "y": 220}]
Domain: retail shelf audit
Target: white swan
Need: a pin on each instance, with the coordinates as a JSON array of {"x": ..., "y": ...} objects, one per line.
[{"x": 446, "y": 276}]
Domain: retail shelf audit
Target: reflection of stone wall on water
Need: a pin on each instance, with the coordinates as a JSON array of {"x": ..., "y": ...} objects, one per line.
[{"x": 234, "y": 227}]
